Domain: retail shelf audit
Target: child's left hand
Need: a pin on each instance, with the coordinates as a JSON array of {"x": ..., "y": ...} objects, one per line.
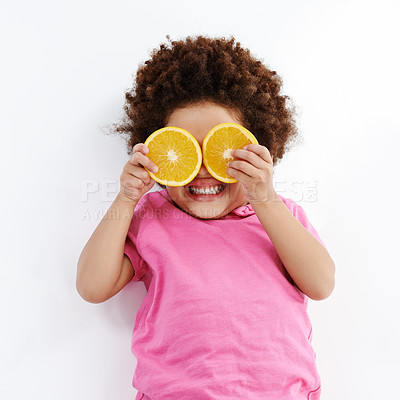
[{"x": 253, "y": 167}]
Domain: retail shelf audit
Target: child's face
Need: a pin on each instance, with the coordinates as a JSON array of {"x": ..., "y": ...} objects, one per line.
[{"x": 198, "y": 119}]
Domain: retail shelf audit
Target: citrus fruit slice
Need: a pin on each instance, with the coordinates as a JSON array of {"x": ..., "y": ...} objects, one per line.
[
  {"x": 217, "y": 147},
  {"x": 177, "y": 155}
]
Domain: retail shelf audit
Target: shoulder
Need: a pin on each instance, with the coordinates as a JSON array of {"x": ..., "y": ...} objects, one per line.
[
  {"x": 154, "y": 205},
  {"x": 152, "y": 200},
  {"x": 290, "y": 203},
  {"x": 150, "y": 210},
  {"x": 296, "y": 209}
]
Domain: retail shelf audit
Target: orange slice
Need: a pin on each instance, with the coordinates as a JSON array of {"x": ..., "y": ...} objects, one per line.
[
  {"x": 177, "y": 155},
  {"x": 217, "y": 147}
]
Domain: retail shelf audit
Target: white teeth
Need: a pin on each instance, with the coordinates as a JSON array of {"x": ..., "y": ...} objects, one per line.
[{"x": 206, "y": 190}]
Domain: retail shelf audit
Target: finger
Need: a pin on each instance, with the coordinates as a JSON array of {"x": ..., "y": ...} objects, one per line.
[
  {"x": 143, "y": 183},
  {"x": 239, "y": 175},
  {"x": 139, "y": 158},
  {"x": 137, "y": 173},
  {"x": 243, "y": 166},
  {"x": 262, "y": 151},
  {"x": 140, "y": 147},
  {"x": 250, "y": 157}
]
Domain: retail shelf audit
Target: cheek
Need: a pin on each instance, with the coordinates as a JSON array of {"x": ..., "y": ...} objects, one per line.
[
  {"x": 236, "y": 193},
  {"x": 179, "y": 195},
  {"x": 175, "y": 192},
  {"x": 234, "y": 189}
]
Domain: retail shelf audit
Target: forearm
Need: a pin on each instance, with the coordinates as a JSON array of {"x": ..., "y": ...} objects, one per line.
[
  {"x": 100, "y": 262},
  {"x": 305, "y": 258}
]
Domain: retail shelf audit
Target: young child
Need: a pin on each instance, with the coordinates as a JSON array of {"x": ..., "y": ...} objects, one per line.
[{"x": 229, "y": 273}]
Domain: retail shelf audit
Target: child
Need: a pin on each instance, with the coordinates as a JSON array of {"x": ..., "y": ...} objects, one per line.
[{"x": 228, "y": 272}]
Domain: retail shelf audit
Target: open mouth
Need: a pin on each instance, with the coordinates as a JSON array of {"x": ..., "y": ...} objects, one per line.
[{"x": 206, "y": 190}]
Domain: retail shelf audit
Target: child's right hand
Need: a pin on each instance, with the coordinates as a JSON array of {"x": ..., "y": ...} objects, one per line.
[{"x": 135, "y": 181}]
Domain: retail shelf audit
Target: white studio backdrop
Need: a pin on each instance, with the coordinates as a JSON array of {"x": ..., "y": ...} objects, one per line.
[{"x": 65, "y": 67}]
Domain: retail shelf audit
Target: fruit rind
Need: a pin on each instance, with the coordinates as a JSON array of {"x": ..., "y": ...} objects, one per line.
[
  {"x": 195, "y": 143},
  {"x": 248, "y": 134}
]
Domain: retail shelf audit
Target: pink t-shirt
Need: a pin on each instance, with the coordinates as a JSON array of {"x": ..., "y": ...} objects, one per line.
[{"x": 222, "y": 318}]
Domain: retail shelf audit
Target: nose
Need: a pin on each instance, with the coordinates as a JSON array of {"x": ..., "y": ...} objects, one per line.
[{"x": 203, "y": 173}]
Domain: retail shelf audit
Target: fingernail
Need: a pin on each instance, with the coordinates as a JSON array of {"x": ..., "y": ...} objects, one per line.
[
  {"x": 146, "y": 150},
  {"x": 155, "y": 169}
]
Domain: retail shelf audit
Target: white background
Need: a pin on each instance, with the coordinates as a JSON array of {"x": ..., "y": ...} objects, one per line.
[{"x": 64, "y": 70}]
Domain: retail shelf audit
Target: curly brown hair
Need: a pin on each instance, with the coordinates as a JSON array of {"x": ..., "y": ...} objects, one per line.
[{"x": 208, "y": 69}]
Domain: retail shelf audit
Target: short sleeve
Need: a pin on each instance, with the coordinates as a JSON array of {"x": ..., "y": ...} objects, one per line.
[
  {"x": 139, "y": 265},
  {"x": 301, "y": 216}
]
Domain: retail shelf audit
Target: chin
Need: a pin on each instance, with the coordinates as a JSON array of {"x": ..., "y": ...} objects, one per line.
[{"x": 206, "y": 198}]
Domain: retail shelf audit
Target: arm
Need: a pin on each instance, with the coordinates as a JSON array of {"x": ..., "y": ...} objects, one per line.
[
  {"x": 306, "y": 260},
  {"x": 103, "y": 268},
  {"x": 304, "y": 257}
]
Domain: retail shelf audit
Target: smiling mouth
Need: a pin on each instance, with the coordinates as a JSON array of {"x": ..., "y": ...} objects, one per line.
[{"x": 207, "y": 190}]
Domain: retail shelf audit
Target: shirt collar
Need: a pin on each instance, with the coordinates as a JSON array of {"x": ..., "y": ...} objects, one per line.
[{"x": 243, "y": 211}]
